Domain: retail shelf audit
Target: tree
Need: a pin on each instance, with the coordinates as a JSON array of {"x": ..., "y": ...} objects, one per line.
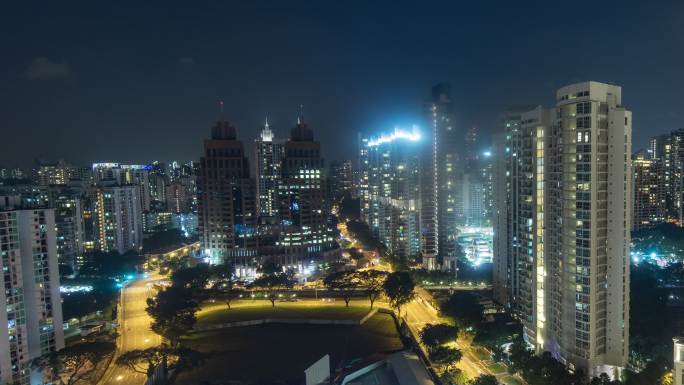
[
  {"x": 192, "y": 278},
  {"x": 271, "y": 284},
  {"x": 465, "y": 308},
  {"x": 173, "y": 313},
  {"x": 146, "y": 360},
  {"x": 373, "y": 282},
  {"x": 78, "y": 363},
  {"x": 434, "y": 335},
  {"x": 484, "y": 379},
  {"x": 445, "y": 355},
  {"x": 399, "y": 289},
  {"x": 163, "y": 239},
  {"x": 520, "y": 355},
  {"x": 111, "y": 264},
  {"x": 344, "y": 282}
]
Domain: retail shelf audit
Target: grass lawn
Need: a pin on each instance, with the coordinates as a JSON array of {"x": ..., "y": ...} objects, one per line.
[
  {"x": 218, "y": 312},
  {"x": 510, "y": 380},
  {"x": 278, "y": 354}
]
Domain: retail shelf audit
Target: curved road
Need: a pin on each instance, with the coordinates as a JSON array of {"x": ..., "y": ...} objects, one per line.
[{"x": 134, "y": 331}]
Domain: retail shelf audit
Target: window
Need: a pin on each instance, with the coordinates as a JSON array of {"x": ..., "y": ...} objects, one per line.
[
  {"x": 584, "y": 122},
  {"x": 584, "y": 108}
]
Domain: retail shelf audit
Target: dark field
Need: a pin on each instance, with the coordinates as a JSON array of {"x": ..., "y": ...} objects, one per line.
[{"x": 278, "y": 354}]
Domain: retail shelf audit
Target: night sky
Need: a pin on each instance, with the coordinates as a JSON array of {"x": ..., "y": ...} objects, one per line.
[{"x": 133, "y": 82}]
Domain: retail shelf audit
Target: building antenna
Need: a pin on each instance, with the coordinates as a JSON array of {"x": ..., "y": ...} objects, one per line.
[{"x": 220, "y": 103}]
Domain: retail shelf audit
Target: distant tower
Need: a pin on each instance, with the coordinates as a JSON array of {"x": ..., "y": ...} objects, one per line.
[
  {"x": 438, "y": 214},
  {"x": 226, "y": 197},
  {"x": 302, "y": 190},
  {"x": 268, "y": 173}
]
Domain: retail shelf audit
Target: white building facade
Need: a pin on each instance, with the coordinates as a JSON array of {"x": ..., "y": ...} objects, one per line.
[
  {"x": 569, "y": 199},
  {"x": 31, "y": 326}
]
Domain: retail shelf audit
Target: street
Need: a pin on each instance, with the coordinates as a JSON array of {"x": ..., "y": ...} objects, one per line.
[
  {"x": 419, "y": 313},
  {"x": 134, "y": 331}
]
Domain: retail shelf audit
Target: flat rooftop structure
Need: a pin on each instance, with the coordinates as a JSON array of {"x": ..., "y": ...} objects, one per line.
[{"x": 401, "y": 368}]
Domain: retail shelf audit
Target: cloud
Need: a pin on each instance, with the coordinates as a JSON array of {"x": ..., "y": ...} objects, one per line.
[
  {"x": 186, "y": 61},
  {"x": 44, "y": 68}
]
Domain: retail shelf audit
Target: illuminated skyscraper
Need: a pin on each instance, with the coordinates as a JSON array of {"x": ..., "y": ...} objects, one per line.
[
  {"x": 438, "y": 212},
  {"x": 226, "y": 196},
  {"x": 269, "y": 155},
  {"x": 362, "y": 189},
  {"x": 302, "y": 192},
  {"x": 568, "y": 208},
  {"x": 31, "y": 316},
  {"x": 394, "y": 186}
]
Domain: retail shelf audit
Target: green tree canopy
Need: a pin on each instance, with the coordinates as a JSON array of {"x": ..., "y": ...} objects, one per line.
[
  {"x": 173, "y": 313},
  {"x": 273, "y": 283},
  {"x": 373, "y": 282},
  {"x": 399, "y": 288},
  {"x": 445, "y": 355},
  {"x": 434, "y": 335},
  {"x": 484, "y": 379},
  {"x": 343, "y": 283},
  {"x": 77, "y": 363},
  {"x": 465, "y": 308}
]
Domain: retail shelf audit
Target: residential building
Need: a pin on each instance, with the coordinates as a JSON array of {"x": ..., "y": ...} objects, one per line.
[
  {"x": 569, "y": 187},
  {"x": 180, "y": 194},
  {"x": 649, "y": 191},
  {"x": 31, "y": 320},
  {"x": 56, "y": 173},
  {"x": 118, "y": 218},
  {"x": 69, "y": 227}
]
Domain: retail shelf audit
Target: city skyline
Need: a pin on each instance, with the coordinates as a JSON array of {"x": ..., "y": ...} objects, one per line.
[
  {"x": 155, "y": 89},
  {"x": 337, "y": 193}
]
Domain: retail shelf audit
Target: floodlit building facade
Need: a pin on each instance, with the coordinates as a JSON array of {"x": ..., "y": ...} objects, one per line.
[
  {"x": 31, "y": 320},
  {"x": 568, "y": 207},
  {"x": 394, "y": 186}
]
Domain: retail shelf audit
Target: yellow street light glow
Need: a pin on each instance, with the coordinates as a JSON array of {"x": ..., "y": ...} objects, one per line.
[{"x": 119, "y": 377}]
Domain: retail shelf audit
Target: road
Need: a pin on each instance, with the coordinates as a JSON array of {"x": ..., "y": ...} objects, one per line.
[
  {"x": 134, "y": 330},
  {"x": 420, "y": 313}
]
